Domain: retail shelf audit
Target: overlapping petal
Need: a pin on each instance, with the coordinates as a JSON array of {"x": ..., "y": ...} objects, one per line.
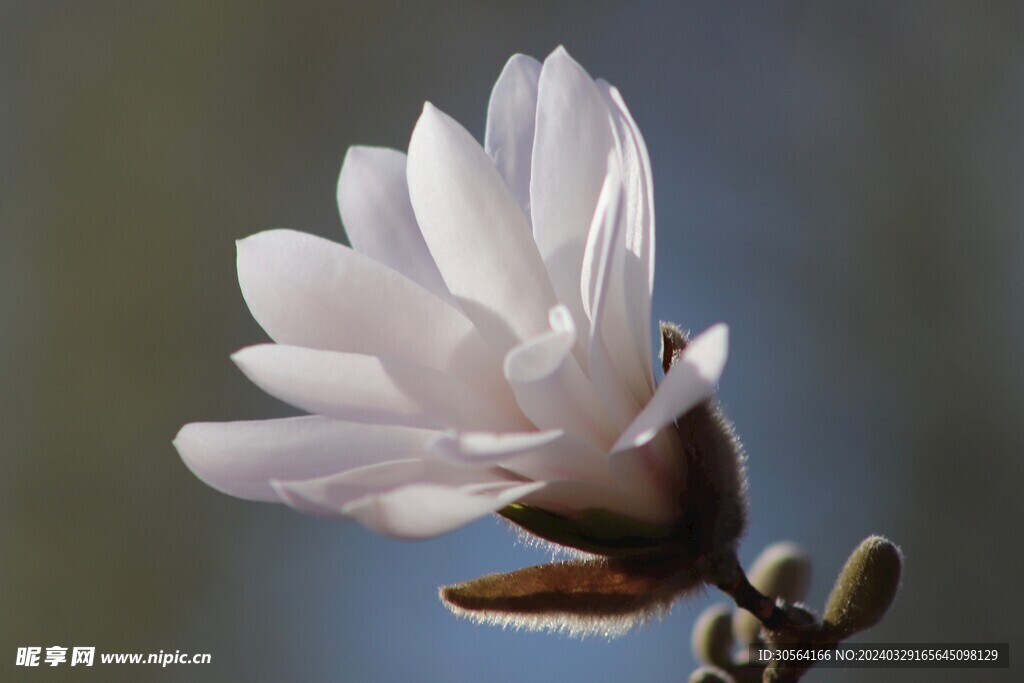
[
  {"x": 691, "y": 380},
  {"x": 598, "y": 263},
  {"x": 375, "y": 389},
  {"x": 308, "y": 291},
  {"x": 572, "y": 141},
  {"x": 486, "y": 341},
  {"x": 426, "y": 510},
  {"x": 551, "y": 388},
  {"x": 553, "y": 455},
  {"x": 410, "y": 500},
  {"x": 476, "y": 233},
  {"x": 511, "y": 116},
  {"x": 373, "y": 199},
  {"x": 627, "y": 325},
  {"x": 241, "y": 458}
]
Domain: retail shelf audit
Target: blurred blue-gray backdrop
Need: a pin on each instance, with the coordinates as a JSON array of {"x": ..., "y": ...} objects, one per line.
[{"x": 841, "y": 182}]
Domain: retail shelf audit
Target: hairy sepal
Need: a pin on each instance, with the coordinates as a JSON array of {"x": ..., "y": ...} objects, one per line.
[
  {"x": 714, "y": 502},
  {"x": 603, "y": 596}
]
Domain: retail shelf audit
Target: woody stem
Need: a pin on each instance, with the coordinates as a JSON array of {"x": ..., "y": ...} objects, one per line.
[{"x": 749, "y": 598}]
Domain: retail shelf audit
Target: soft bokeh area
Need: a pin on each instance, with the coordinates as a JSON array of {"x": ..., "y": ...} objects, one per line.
[{"x": 840, "y": 182}]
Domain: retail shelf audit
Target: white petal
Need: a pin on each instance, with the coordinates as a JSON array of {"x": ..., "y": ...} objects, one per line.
[
  {"x": 373, "y": 199},
  {"x": 476, "y": 233},
  {"x": 647, "y": 457},
  {"x": 551, "y": 388},
  {"x": 412, "y": 511},
  {"x": 548, "y": 455},
  {"x": 428, "y": 510},
  {"x": 654, "y": 471},
  {"x": 627, "y": 321},
  {"x": 240, "y": 458},
  {"x": 604, "y": 227},
  {"x": 605, "y": 234},
  {"x": 570, "y": 152},
  {"x": 362, "y": 388},
  {"x": 308, "y": 291},
  {"x": 510, "y": 124},
  {"x": 691, "y": 380},
  {"x": 328, "y": 495},
  {"x": 639, "y": 184}
]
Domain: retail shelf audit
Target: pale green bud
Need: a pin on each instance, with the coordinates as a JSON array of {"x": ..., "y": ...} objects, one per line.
[
  {"x": 712, "y": 636},
  {"x": 865, "y": 588}
]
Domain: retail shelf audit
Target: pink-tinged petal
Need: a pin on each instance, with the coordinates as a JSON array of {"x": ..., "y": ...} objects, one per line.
[
  {"x": 647, "y": 455},
  {"x": 550, "y": 387},
  {"x": 540, "y": 456},
  {"x": 510, "y": 124},
  {"x": 639, "y": 185},
  {"x": 411, "y": 511},
  {"x": 691, "y": 380},
  {"x": 338, "y": 490},
  {"x": 240, "y": 458},
  {"x": 329, "y": 495},
  {"x": 654, "y": 471},
  {"x": 570, "y": 497},
  {"x": 604, "y": 237},
  {"x": 373, "y": 199},
  {"x": 604, "y": 228},
  {"x": 627, "y": 323},
  {"x": 570, "y": 152},
  {"x": 476, "y": 233},
  {"x": 427, "y": 510},
  {"x": 361, "y": 388},
  {"x": 308, "y": 291}
]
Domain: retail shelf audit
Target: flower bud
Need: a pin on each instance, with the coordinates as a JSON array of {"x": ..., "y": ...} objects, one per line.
[
  {"x": 782, "y": 570},
  {"x": 712, "y": 636},
  {"x": 865, "y": 588}
]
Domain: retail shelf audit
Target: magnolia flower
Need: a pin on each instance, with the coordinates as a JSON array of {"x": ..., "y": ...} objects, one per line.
[{"x": 484, "y": 347}]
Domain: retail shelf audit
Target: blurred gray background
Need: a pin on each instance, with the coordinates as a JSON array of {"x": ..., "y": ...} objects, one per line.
[{"x": 841, "y": 182}]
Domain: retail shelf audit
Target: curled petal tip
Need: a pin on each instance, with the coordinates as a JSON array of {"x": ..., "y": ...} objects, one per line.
[{"x": 561, "y": 320}]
